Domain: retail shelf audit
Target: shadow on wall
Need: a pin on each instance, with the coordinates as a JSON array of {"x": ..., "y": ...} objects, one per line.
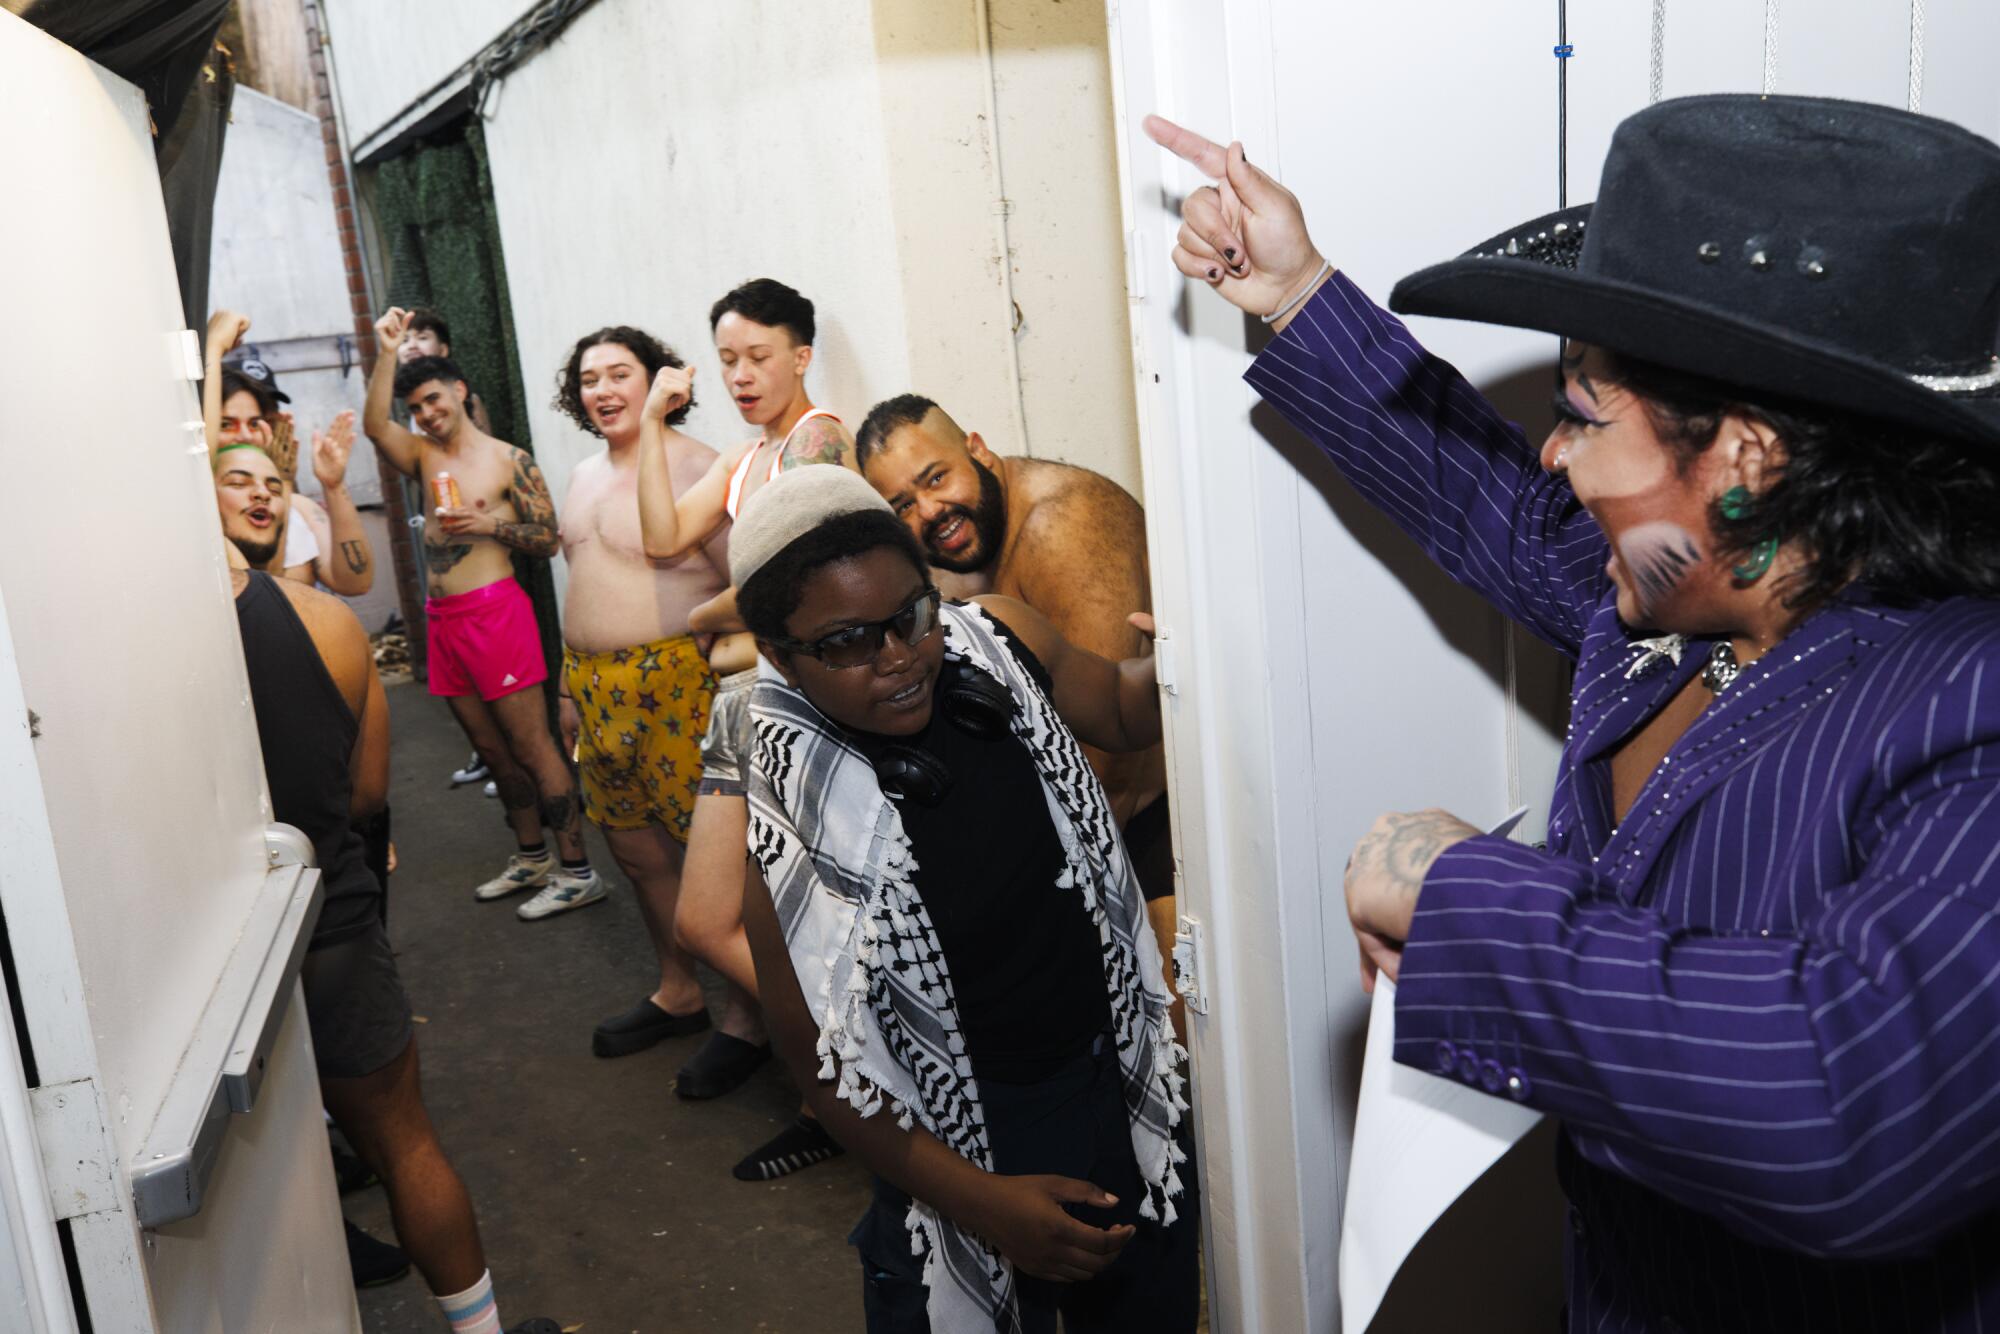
[{"x": 1463, "y": 618}]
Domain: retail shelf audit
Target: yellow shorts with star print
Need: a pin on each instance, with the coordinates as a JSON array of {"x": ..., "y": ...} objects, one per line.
[{"x": 641, "y": 714}]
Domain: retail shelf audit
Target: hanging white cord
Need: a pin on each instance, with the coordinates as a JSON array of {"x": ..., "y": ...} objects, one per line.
[
  {"x": 1916, "y": 55},
  {"x": 1770, "y": 47},
  {"x": 1657, "y": 82}
]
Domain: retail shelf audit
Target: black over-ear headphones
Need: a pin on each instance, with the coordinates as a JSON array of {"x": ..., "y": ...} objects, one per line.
[{"x": 973, "y": 702}]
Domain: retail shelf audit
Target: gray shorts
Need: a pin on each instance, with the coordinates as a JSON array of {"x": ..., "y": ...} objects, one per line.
[
  {"x": 359, "y": 1015},
  {"x": 725, "y": 747}
]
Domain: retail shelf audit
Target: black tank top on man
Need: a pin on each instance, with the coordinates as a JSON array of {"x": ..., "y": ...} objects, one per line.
[
  {"x": 307, "y": 733},
  {"x": 1026, "y": 968}
]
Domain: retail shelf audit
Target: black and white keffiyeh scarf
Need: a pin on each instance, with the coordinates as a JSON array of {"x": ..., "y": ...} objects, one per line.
[{"x": 841, "y": 875}]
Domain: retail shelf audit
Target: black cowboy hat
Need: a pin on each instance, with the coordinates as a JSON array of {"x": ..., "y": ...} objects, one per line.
[{"x": 1832, "y": 253}]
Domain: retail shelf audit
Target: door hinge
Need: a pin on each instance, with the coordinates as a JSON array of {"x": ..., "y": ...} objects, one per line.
[
  {"x": 1190, "y": 960},
  {"x": 1165, "y": 662},
  {"x": 77, "y": 1155}
]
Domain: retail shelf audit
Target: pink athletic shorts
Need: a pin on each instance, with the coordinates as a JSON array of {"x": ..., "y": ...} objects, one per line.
[{"x": 484, "y": 642}]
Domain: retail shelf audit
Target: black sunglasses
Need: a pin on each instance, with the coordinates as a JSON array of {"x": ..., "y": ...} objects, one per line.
[{"x": 858, "y": 645}]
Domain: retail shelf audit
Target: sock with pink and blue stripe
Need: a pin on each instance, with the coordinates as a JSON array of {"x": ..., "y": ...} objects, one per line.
[{"x": 473, "y": 1311}]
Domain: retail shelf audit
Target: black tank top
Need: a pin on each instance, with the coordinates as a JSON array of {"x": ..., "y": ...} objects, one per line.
[
  {"x": 1026, "y": 967},
  {"x": 307, "y": 732}
]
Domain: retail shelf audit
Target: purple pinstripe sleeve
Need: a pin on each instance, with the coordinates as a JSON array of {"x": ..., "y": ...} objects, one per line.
[
  {"x": 1422, "y": 445},
  {"x": 1836, "y": 1089}
]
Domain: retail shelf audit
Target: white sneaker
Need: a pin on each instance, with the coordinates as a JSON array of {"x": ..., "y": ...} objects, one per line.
[
  {"x": 564, "y": 891},
  {"x": 521, "y": 873},
  {"x": 493, "y": 789},
  {"x": 474, "y": 770}
]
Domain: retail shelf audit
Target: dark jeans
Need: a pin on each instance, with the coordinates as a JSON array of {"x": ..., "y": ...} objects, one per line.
[{"x": 1071, "y": 1124}]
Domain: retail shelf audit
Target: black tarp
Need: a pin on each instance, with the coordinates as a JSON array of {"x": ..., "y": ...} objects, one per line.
[{"x": 167, "y": 47}]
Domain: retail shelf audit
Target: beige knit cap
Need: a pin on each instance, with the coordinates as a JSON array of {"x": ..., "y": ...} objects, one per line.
[{"x": 791, "y": 505}]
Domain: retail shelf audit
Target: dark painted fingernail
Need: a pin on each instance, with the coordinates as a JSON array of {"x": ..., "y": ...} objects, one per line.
[
  {"x": 1229, "y": 255},
  {"x": 1214, "y": 274}
]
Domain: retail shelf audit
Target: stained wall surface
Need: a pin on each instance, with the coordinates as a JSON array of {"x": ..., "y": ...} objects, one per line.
[{"x": 644, "y": 164}]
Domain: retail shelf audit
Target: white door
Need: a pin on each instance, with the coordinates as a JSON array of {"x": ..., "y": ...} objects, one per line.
[{"x": 152, "y": 924}]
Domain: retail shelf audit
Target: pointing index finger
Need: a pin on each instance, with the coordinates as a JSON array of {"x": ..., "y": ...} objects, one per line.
[{"x": 1209, "y": 156}]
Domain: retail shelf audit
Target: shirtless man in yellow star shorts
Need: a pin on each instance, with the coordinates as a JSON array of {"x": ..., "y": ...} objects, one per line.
[{"x": 636, "y": 686}]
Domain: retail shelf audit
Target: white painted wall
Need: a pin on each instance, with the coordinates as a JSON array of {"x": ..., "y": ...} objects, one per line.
[
  {"x": 131, "y": 828},
  {"x": 842, "y": 147},
  {"x": 1326, "y": 673}
]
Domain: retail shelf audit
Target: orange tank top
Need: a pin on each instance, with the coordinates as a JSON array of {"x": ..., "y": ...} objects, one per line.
[{"x": 741, "y": 474}]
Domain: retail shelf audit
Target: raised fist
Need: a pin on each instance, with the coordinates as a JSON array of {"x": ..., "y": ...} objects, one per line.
[
  {"x": 225, "y": 330},
  {"x": 672, "y": 387},
  {"x": 389, "y": 330}
]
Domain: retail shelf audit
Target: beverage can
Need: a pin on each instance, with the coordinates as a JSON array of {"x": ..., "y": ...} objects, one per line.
[{"x": 444, "y": 488}]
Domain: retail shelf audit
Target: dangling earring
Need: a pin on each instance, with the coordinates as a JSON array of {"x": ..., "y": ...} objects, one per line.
[{"x": 1734, "y": 504}]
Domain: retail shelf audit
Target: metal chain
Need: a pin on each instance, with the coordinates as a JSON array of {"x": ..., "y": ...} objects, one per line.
[
  {"x": 1770, "y": 47},
  {"x": 1916, "y": 55},
  {"x": 1657, "y": 80}
]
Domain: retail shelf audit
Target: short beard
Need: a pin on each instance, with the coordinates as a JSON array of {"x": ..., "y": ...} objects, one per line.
[
  {"x": 259, "y": 554},
  {"x": 989, "y": 527}
]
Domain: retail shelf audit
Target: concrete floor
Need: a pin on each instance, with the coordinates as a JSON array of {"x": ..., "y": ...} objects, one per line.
[{"x": 605, "y": 1202}]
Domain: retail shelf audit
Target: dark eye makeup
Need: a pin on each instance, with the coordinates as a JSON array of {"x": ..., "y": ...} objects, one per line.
[{"x": 1566, "y": 413}]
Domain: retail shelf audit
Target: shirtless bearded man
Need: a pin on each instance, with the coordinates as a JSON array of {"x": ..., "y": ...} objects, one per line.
[
  {"x": 763, "y": 336},
  {"x": 1070, "y": 543},
  {"x": 636, "y": 687},
  {"x": 485, "y": 651}
]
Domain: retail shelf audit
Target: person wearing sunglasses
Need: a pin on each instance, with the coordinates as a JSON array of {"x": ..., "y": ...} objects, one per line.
[{"x": 951, "y": 946}]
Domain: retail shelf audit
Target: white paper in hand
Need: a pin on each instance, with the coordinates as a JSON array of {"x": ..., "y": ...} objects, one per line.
[{"x": 1419, "y": 1142}]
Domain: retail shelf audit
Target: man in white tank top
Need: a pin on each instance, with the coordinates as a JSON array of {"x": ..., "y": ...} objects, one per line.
[{"x": 764, "y": 339}]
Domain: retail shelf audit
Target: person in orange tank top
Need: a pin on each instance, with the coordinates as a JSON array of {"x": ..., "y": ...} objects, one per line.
[{"x": 764, "y": 334}]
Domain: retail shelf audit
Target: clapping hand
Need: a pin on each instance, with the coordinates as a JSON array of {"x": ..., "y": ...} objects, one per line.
[
  {"x": 330, "y": 451},
  {"x": 1245, "y": 235}
]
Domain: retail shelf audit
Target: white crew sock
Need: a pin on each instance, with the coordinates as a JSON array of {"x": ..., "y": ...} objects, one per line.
[{"x": 473, "y": 1311}]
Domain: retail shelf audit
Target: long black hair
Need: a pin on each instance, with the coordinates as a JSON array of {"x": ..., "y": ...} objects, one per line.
[{"x": 1911, "y": 516}]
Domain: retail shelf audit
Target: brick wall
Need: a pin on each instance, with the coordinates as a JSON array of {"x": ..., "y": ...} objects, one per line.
[{"x": 402, "y": 550}]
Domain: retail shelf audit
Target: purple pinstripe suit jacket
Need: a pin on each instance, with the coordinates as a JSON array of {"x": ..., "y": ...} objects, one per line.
[{"x": 1764, "y": 1006}]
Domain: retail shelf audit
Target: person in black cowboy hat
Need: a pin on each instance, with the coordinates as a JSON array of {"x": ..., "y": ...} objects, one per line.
[{"x": 1753, "y": 972}]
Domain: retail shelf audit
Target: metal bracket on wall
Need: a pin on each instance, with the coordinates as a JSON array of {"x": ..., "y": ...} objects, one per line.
[{"x": 223, "y": 1067}]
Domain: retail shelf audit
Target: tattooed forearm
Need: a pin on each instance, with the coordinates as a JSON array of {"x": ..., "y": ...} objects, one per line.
[
  {"x": 443, "y": 557},
  {"x": 533, "y": 539},
  {"x": 356, "y": 556},
  {"x": 535, "y": 534}
]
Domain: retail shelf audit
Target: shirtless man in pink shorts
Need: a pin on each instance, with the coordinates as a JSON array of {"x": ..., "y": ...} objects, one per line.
[{"x": 485, "y": 650}]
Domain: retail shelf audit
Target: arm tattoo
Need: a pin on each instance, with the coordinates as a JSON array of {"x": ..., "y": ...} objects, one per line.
[
  {"x": 356, "y": 555},
  {"x": 535, "y": 534},
  {"x": 824, "y": 440}
]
